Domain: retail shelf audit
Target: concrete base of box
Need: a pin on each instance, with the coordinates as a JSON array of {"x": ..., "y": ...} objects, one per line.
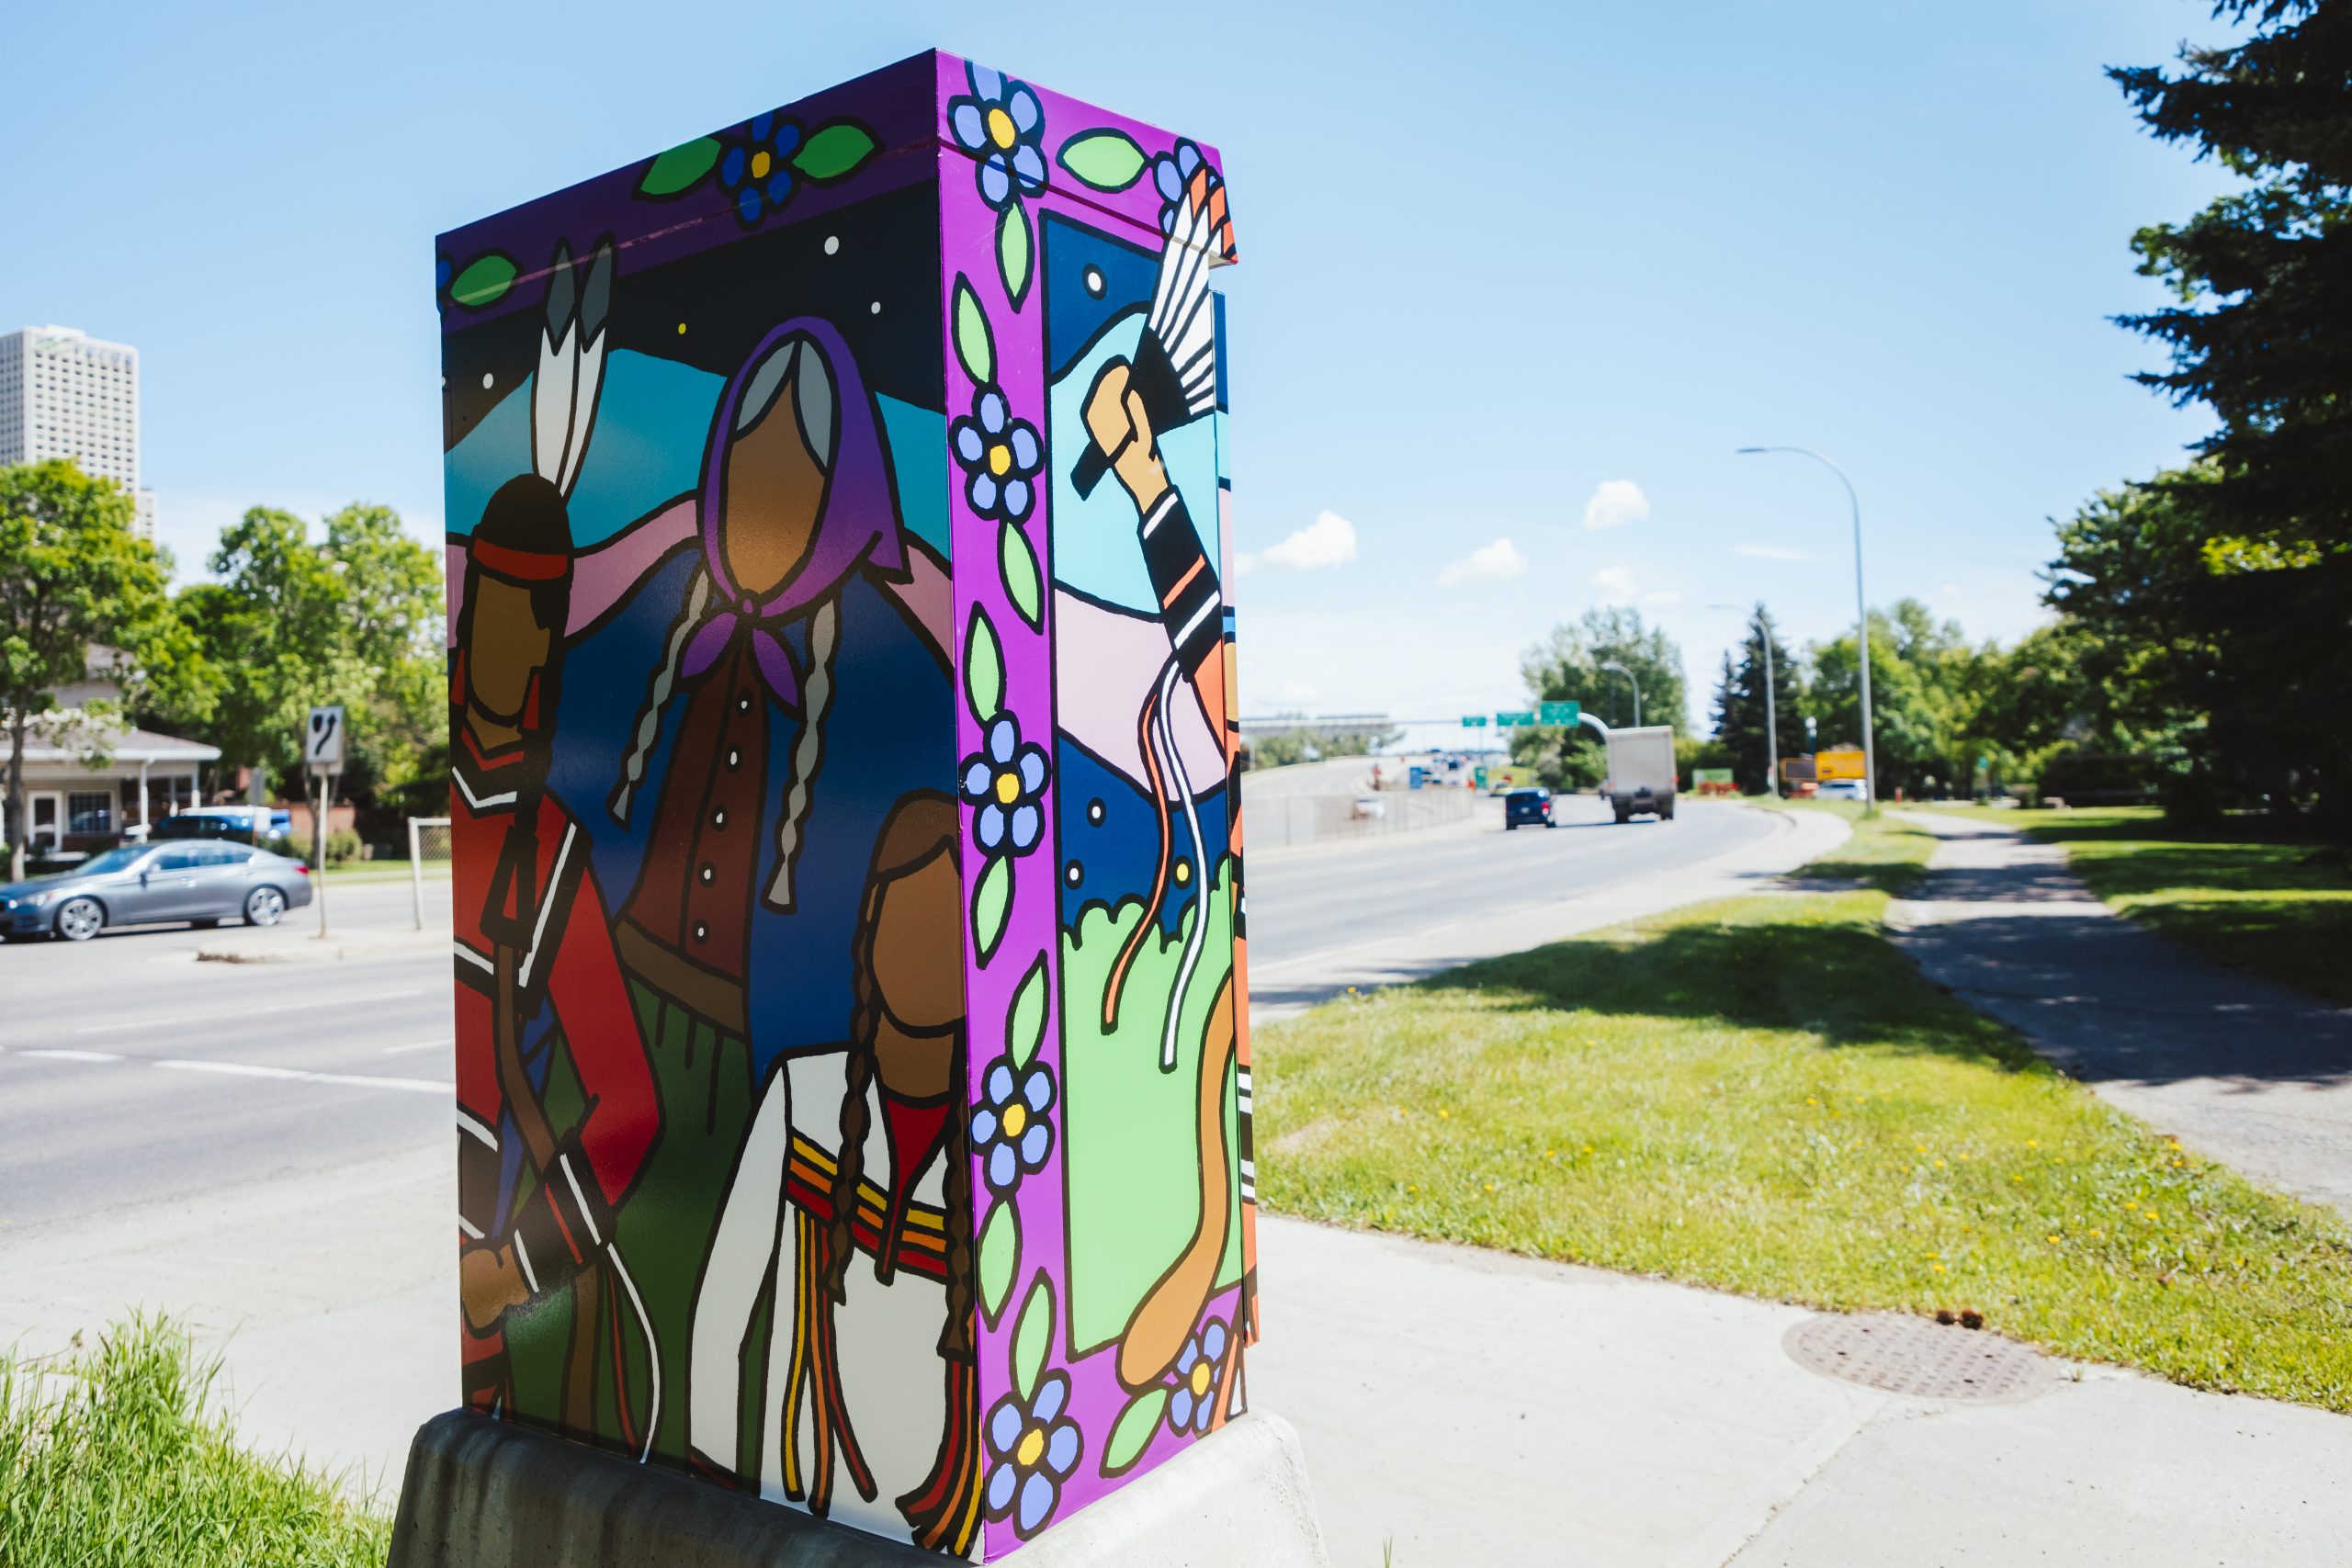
[{"x": 483, "y": 1494}]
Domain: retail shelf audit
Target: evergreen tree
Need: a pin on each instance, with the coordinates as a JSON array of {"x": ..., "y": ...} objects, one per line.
[
  {"x": 2255, "y": 568},
  {"x": 1741, "y": 717}
]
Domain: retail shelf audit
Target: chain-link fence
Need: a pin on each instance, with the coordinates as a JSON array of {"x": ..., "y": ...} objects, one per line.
[{"x": 428, "y": 860}]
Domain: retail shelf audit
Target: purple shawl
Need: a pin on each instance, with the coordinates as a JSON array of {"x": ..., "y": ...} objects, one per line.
[{"x": 857, "y": 520}]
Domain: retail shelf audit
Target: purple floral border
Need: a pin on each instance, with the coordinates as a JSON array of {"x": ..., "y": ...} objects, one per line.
[{"x": 1008, "y": 153}]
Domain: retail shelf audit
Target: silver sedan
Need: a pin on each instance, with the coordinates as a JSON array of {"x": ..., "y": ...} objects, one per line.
[{"x": 201, "y": 881}]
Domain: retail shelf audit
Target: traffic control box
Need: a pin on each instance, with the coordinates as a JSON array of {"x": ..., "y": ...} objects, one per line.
[{"x": 853, "y": 1076}]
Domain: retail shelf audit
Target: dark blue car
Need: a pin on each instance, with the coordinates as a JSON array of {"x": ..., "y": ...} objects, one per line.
[{"x": 1527, "y": 809}]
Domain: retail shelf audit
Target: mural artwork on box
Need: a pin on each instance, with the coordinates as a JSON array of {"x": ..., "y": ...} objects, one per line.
[{"x": 854, "y": 1092}]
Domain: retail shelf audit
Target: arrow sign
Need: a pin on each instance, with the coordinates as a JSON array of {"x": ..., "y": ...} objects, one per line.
[
  {"x": 323, "y": 742},
  {"x": 1514, "y": 720}
]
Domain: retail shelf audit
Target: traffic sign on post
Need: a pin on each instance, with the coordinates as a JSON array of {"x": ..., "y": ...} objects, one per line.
[
  {"x": 323, "y": 742},
  {"x": 1514, "y": 720},
  {"x": 1560, "y": 712},
  {"x": 323, "y": 759},
  {"x": 1474, "y": 721}
]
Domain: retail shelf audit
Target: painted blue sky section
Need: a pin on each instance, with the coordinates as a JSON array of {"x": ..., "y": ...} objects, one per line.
[
  {"x": 1094, "y": 537},
  {"x": 652, "y": 420}
]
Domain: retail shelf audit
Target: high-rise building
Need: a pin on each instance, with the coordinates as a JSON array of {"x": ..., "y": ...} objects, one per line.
[{"x": 66, "y": 394}]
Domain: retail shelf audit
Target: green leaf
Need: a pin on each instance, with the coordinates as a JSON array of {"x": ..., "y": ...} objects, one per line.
[
  {"x": 483, "y": 280},
  {"x": 999, "y": 1252},
  {"x": 834, "y": 151},
  {"x": 681, "y": 168},
  {"x": 991, "y": 904},
  {"x": 1032, "y": 1331},
  {"x": 1013, "y": 253},
  {"x": 1131, "y": 1434},
  {"x": 1019, "y": 563},
  {"x": 983, "y": 668},
  {"x": 1106, "y": 158},
  {"x": 975, "y": 349},
  {"x": 1024, "y": 1022}
]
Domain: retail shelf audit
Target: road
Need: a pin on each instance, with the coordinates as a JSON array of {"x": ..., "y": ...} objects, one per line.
[
  {"x": 131, "y": 1071},
  {"x": 263, "y": 1150},
  {"x": 1314, "y": 909}
]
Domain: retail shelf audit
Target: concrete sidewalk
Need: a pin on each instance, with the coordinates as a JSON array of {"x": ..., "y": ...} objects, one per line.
[
  {"x": 2242, "y": 1069},
  {"x": 1461, "y": 1406},
  {"x": 1456, "y": 1407}
]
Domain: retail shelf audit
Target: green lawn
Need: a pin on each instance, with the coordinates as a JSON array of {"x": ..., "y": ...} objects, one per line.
[
  {"x": 122, "y": 1459},
  {"x": 1884, "y": 853},
  {"x": 2272, "y": 907},
  {"x": 1762, "y": 1095}
]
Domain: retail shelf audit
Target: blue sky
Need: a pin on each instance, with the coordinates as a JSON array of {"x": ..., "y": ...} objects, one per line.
[{"x": 1506, "y": 271}]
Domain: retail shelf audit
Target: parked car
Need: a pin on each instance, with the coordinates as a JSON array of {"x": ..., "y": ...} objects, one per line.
[
  {"x": 1528, "y": 807},
  {"x": 201, "y": 881},
  {"x": 246, "y": 824},
  {"x": 1841, "y": 789}
]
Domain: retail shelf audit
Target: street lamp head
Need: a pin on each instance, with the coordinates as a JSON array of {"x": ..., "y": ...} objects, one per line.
[
  {"x": 1612, "y": 665},
  {"x": 1751, "y": 451}
]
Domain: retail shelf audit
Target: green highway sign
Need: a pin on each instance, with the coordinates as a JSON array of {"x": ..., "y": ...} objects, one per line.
[
  {"x": 1561, "y": 712},
  {"x": 1474, "y": 721},
  {"x": 1513, "y": 721}
]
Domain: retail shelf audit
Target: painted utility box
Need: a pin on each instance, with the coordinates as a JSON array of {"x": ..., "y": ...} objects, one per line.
[{"x": 852, "y": 1012}]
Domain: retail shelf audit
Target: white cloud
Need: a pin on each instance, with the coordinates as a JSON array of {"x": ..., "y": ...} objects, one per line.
[
  {"x": 1661, "y": 596},
  {"x": 1949, "y": 591},
  {"x": 1616, "y": 585},
  {"x": 1616, "y": 503},
  {"x": 1770, "y": 552},
  {"x": 1329, "y": 540},
  {"x": 1486, "y": 563}
]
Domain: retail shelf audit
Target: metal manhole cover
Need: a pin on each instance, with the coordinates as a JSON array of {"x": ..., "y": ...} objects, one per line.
[{"x": 1915, "y": 1357}]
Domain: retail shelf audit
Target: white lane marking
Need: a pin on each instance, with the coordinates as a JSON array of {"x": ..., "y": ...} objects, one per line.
[
  {"x": 71, "y": 1055},
  {"x": 300, "y": 1075},
  {"x": 170, "y": 1021},
  {"x": 442, "y": 1044}
]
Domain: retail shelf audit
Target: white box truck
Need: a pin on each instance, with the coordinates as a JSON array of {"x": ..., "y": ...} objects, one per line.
[{"x": 1641, "y": 773}]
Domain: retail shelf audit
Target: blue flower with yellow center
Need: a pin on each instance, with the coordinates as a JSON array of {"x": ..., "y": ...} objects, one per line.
[
  {"x": 1002, "y": 126},
  {"x": 1009, "y": 1127},
  {"x": 1034, "y": 1451},
  {"x": 1194, "y": 1404},
  {"x": 756, "y": 170},
  {"x": 1006, "y": 782},
  {"x": 1001, "y": 455}
]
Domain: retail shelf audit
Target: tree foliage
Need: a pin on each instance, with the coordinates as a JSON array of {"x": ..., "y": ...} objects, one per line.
[
  {"x": 1566, "y": 667},
  {"x": 2228, "y": 587},
  {"x": 74, "y": 576},
  {"x": 1740, "y": 716},
  {"x": 356, "y": 618}
]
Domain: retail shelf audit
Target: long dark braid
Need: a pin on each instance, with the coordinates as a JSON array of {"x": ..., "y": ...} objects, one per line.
[
  {"x": 920, "y": 826},
  {"x": 864, "y": 1028}
]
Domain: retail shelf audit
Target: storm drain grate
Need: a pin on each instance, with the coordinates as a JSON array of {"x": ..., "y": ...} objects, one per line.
[{"x": 1915, "y": 1357}]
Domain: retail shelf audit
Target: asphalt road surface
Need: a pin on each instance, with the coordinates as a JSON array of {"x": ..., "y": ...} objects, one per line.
[
  {"x": 130, "y": 1071},
  {"x": 1311, "y": 908}
]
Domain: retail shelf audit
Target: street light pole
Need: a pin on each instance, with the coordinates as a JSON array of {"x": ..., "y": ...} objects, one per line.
[
  {"x": 1632, "y": 681},
  {"x": 1862, "y": 613}
]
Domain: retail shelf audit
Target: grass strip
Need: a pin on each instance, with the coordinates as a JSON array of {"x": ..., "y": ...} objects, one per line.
[
  {"x": 1884, "y": 853},
  {"x": 120, "y": 1456},
  {"x": 1762, "y": 1095},
  {"x": 2277, "y": 908}
]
